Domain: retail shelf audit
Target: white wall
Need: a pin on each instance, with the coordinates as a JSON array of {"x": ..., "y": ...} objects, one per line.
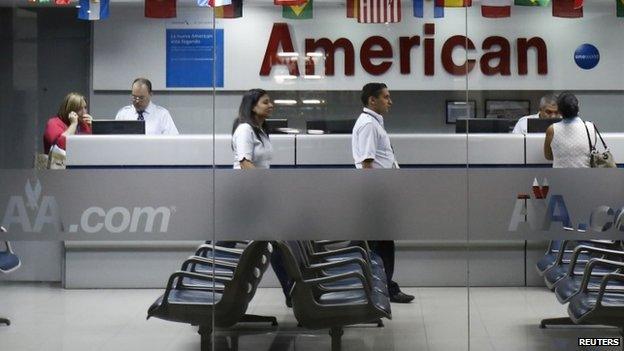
[{"x": 129, "y": 45}]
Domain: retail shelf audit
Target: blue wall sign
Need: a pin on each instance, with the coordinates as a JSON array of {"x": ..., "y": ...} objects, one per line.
[
  {"x": 194, "y": 58},
  {"x": 586, "y": 56}
]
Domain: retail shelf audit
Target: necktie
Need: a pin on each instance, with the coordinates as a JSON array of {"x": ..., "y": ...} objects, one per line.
[{"x": 140, "y": 116}]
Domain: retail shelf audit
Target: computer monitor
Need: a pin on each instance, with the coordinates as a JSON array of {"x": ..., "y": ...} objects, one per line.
[
  {"x": 481, "y": 125},
  {"x": 337, "y": 126},
  {"x": 274, "y": 125},
  {"x": 111, "y": 126},
  {"x": 539, "y": 125}
]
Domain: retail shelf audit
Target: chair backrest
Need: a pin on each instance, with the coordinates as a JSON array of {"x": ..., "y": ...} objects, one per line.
[
  {"x": 292, "y": 261},
  {"x": 252, "y": 264}
]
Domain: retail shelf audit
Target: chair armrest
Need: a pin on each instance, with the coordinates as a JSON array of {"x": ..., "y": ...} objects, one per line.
[
  {"x": 322, "y": 244},
  {"x": 605, "y": 282},
  {"x": 193, "y": 260},
  {"x": 348, "y": 249},
  {"x": 319, "y": 267},
  {"x": 591, "y": 249},
  {"x": 209, "y": 247},
  {"x": 175, "y": 277},
  {"x": 338, "y": 277},
  {"x": 587, "y": 274}
]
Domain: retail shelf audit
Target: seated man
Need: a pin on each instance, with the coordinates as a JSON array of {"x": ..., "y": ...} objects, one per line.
[
  {"x": 547, "y": 109},
  {"x": 157, "y": 119}
]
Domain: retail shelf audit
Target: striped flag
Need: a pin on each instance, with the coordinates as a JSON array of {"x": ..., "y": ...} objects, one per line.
[
  {"x": 235, "y": 10},
  {"x": 379, "y": 11},
  {"x": 496, "y": 8},
  {"x": 93, "y": 10},
  {"x": 567, "y": 8},
  {"x": 619, "y": 8},
  {"x": 542, "y": 3},
  {"x": 419, "y": 9},
  {"x": 160, "y": 8},
  {"x": 353, "y": 8},
  {"x": 304, "y": 11},
  {"x": 62, "y": 2},
  {"x": 453, "y": 3},
  {"x": 289, "y": 2}
]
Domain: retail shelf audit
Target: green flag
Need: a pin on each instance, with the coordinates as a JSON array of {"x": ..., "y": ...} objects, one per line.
[
  {"x": 531, "y": 2},
  {"x": 620, "y": 8},
  {"x": 298, "y": 12}
]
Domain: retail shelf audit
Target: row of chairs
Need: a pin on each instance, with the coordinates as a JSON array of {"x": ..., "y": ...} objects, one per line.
[
  {"x": 589, "y": 276},
  {"x": 9, "y": 262},
  {"x": 331, "y": 287}
]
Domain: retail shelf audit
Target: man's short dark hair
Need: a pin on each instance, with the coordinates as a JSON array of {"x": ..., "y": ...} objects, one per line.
[
  {"x": 568, "y": 105},
  {"x": 371, "y": 89},
  {"x": 144, "y": 81}
]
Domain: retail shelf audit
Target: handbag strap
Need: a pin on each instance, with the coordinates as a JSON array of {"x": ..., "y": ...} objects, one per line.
[
  {"x": 591, "y": 147},
  {"x": 597, "y": 132}
]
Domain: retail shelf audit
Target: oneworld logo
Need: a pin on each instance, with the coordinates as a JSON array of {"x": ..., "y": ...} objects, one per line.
[
  {"x": 539, "y": 211},
  {"x": 32, "y": 211},
  {"x": 586, "y": 56}
]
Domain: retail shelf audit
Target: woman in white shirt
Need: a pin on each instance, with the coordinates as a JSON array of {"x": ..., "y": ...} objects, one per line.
[
  {"x": 250, "y": 138},
  {"x": 252, "y": 149},
  {"x": 567, "y": 142}
]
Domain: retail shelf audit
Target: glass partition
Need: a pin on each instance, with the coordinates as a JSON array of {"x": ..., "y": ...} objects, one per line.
[
  {"x": 544, "y": 245},
  {"x": 313, "y": 60}
]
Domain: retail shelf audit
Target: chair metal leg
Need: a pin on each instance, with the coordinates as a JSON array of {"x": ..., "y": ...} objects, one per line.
[
  {"x": 5, "y": 321},
  {"x": 234, "y": 342},
  {"x": 336, "y": 338},
  {"x": 205, "y": 331},
  {"x": 556, "y": 321},
  {"x": 252, "y": 318}
]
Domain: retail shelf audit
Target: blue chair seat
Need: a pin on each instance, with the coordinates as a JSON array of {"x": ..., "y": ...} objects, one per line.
[{"x": 9, "y": 262}]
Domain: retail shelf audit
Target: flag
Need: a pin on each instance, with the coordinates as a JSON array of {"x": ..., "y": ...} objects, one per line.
[
  {"x": 289, "y": 2},
  {"x": 567, "y": 8},
  {"x": 353, "y": 8},
  {"x": 93, "y": 10},
  {"x": 619, "y": 5},
  {"x": 202, "y": 3},
  {"x": 542, "y": 3},
  {"x": 379, "y": 11},
  {"x": 160, "y": 8},
  {"x": 62, "y": 2},
  {"x": 235, "y": 10},
  {"x": 217, "y": 3},
  {"x": 453, "y": 3},
  {"x": 298, "y": 12},
  {"x": 496, "y": 8},
  {"x": 419, "y": 9}
]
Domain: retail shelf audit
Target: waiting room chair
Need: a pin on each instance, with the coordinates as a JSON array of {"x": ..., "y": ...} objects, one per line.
[
  {"x": 9, "y": 262},
  {"x": 603, "y": 306},
  {"x": 224, "y": 299},
  {"x": 331, "y": 310}
]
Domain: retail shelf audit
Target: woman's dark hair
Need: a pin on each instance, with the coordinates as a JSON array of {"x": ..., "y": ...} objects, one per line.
[
  {"x": 371, "y": 89},
  {"x": 246, "y": 114},
  {"x": 568, "y": 105}
]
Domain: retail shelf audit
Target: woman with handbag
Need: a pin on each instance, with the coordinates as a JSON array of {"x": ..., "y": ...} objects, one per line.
[
  {"x": 568, "y": 143},
  {"x": 72, "y": 118}
]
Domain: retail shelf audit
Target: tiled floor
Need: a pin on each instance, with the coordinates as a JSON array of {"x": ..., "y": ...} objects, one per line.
[{"x": 46, "y": 317}]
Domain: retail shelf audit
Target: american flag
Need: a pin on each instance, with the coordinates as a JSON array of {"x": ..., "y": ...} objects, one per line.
[{"x": 379, "y": 11}]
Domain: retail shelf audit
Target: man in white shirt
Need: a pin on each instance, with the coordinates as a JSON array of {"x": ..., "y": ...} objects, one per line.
[
  {"x": 371, "y": 149},
  {"x": 547, "y": 109},
  {"x": 157, "y": 119}
]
